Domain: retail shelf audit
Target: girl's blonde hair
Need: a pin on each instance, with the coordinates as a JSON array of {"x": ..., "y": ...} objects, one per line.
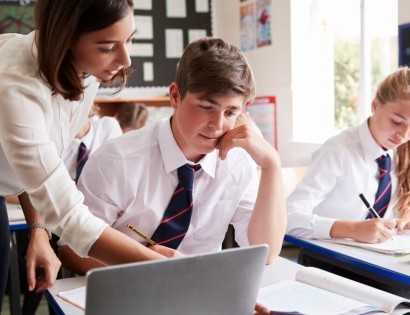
[
  {"x": 396, "y": 87},
  {"x": 403, "y": 178}
]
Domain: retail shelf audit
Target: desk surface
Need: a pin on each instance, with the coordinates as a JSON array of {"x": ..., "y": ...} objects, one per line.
[
  {"x": 281, "y": 269},
  {"x": 392, "y": 270},
  {"x": 16, "y": 217}
]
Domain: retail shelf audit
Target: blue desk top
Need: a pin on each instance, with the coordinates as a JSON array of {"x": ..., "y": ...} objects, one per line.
[
  {"x": 374, "y": 263},
  {"x": 17, "y": 226}
]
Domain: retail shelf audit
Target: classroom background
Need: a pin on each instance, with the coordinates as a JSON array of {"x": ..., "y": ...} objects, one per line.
[{"x": 316, "y": 62}]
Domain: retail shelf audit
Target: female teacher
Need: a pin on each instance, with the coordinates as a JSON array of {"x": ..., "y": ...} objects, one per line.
[{"x": 49, "y": 79}]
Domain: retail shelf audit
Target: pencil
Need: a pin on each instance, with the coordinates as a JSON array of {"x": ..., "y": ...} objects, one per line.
[
  {"x": 150, "y": 241},
  {"x": 368, "y": 206}
]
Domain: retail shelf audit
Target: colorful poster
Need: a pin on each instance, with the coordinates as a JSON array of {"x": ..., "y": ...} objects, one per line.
[
  {"x": 263, "y": 113},
  {"x": 248, "y": 26},
  {"x": 255, "y": 24},
  {"x": 264, "y": 23}
]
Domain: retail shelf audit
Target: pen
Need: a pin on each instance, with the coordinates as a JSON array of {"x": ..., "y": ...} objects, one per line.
[
  {"x": 150, "y": 241},
  {"x": 371, "y": 209}
]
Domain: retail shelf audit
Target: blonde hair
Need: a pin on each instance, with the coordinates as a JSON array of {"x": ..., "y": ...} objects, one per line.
[
  {"x": 395, "y": 87},
  {"x": 403, "y": 178}
]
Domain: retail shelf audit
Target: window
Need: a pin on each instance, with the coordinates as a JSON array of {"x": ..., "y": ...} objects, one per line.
[{"x": 341, "y": 50}]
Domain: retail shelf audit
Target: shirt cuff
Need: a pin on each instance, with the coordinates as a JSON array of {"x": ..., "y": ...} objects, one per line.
[{"x": 322, "y": 227}]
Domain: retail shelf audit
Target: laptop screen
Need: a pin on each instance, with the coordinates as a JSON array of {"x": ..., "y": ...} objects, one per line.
[{"x": 225, "y": 282}]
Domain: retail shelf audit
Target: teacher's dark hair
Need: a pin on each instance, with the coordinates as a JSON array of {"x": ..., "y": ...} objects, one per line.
[{"x": 58, "y": 24}]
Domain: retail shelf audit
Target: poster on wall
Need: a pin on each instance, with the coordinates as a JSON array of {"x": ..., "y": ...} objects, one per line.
[
  {"x": 263, "y": 12},
  {"x": 255, "y": 24},
  {"x": 248, "y": 26},
  {"x": 263, "y": 113}
]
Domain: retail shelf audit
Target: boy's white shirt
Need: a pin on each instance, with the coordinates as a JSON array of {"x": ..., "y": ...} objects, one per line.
[
  {"x": 341, "y": 169},
  {"x": 131, "y": 179}
]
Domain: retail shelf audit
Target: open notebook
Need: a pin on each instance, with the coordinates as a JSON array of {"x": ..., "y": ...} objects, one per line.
[
  {"x": 397, "y": 245},
  {"x": 225, "y": 282},
  {"x": 315, "y": 291}
]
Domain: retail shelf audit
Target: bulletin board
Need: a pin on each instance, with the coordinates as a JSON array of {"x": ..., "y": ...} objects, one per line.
[
  {"x": 164, "y": 29},
  {"x": 16, "y": 16}
]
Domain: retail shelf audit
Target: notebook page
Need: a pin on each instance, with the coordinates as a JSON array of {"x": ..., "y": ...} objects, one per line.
[
  {"x": 349, "y": 288},
  {"x": 398, "y": 244},
  {"x": 75, "y": 296},
  {"x": 293, "y": 297}
]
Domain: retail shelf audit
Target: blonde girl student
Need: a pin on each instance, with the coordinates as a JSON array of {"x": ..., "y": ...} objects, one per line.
[
  {"x": 326, "y": 202},
  {"x": 359, "y": 160}
]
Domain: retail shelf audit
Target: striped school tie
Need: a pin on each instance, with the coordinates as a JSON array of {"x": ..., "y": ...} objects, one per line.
[
  {"x": 177, "y": 217},
  {"x": 82, "y": 158},
  {"x": 384, "y": 190}
]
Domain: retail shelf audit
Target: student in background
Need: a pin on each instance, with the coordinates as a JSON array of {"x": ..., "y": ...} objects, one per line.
[
  {"x": 91, "y": 136},
  {"x": 326, "y": 202},
  {"x": 131, "y": 179},
  {"x": 131, "y": 116},
  {"x": 49, "y": 79}
]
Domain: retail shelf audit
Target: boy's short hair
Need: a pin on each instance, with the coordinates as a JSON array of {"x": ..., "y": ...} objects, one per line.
[
  {"x": 215, "y": 67},
  {"x": 395, "y": 87}
]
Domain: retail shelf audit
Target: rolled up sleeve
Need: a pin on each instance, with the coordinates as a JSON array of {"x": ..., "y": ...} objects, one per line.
[{"x": 32, "y": 137}]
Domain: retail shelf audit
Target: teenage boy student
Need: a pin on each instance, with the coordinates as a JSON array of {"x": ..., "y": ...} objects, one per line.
[
  {"x": 359, "y": 160},
  {"x": 130, "y": 180}
]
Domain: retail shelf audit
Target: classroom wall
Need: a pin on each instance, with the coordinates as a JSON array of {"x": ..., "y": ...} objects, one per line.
[
  {"x": 272, "y": 69},
  {"x": 404, "y": 11},
  {"x": 272, "y": 66}
]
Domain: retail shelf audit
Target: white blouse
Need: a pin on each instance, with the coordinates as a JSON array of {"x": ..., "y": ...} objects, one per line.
[{"x": 36, "y": 127}]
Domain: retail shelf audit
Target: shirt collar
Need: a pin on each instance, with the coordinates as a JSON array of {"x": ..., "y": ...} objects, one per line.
[
  {"x": 88, "y": 138},
  {"x": 371, "y": 149},
  {"x": 172, "y": 155}
]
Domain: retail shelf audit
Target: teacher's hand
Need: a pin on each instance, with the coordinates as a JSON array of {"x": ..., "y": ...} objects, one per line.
[{"x": 41, "y": 262}]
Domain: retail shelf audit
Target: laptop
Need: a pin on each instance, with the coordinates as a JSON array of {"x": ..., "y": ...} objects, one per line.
[{"x": 226, "y": 282}]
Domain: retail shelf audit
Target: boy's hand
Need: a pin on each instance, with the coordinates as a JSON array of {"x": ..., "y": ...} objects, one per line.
[
  {"x": 166, "y": 251},
  {"x": 243, "y": 136},
  {"x": 261, "y": 309}
]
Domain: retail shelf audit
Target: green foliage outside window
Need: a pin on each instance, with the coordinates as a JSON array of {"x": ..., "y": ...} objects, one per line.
[{"x": 347, "y": 77}]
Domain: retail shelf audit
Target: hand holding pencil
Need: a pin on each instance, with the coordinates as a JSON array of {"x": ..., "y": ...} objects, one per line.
[
  {"x": 142, "y": 235},
  {"x": 385, "y": 229},
  {"x": 163, "y": 250}
]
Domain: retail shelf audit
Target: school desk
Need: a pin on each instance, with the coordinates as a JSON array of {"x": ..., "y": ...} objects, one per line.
[
  {"x": 387, "y": 269},
  {"x": 281, "y": 269},
  {"x": 16, "y": 224}
]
